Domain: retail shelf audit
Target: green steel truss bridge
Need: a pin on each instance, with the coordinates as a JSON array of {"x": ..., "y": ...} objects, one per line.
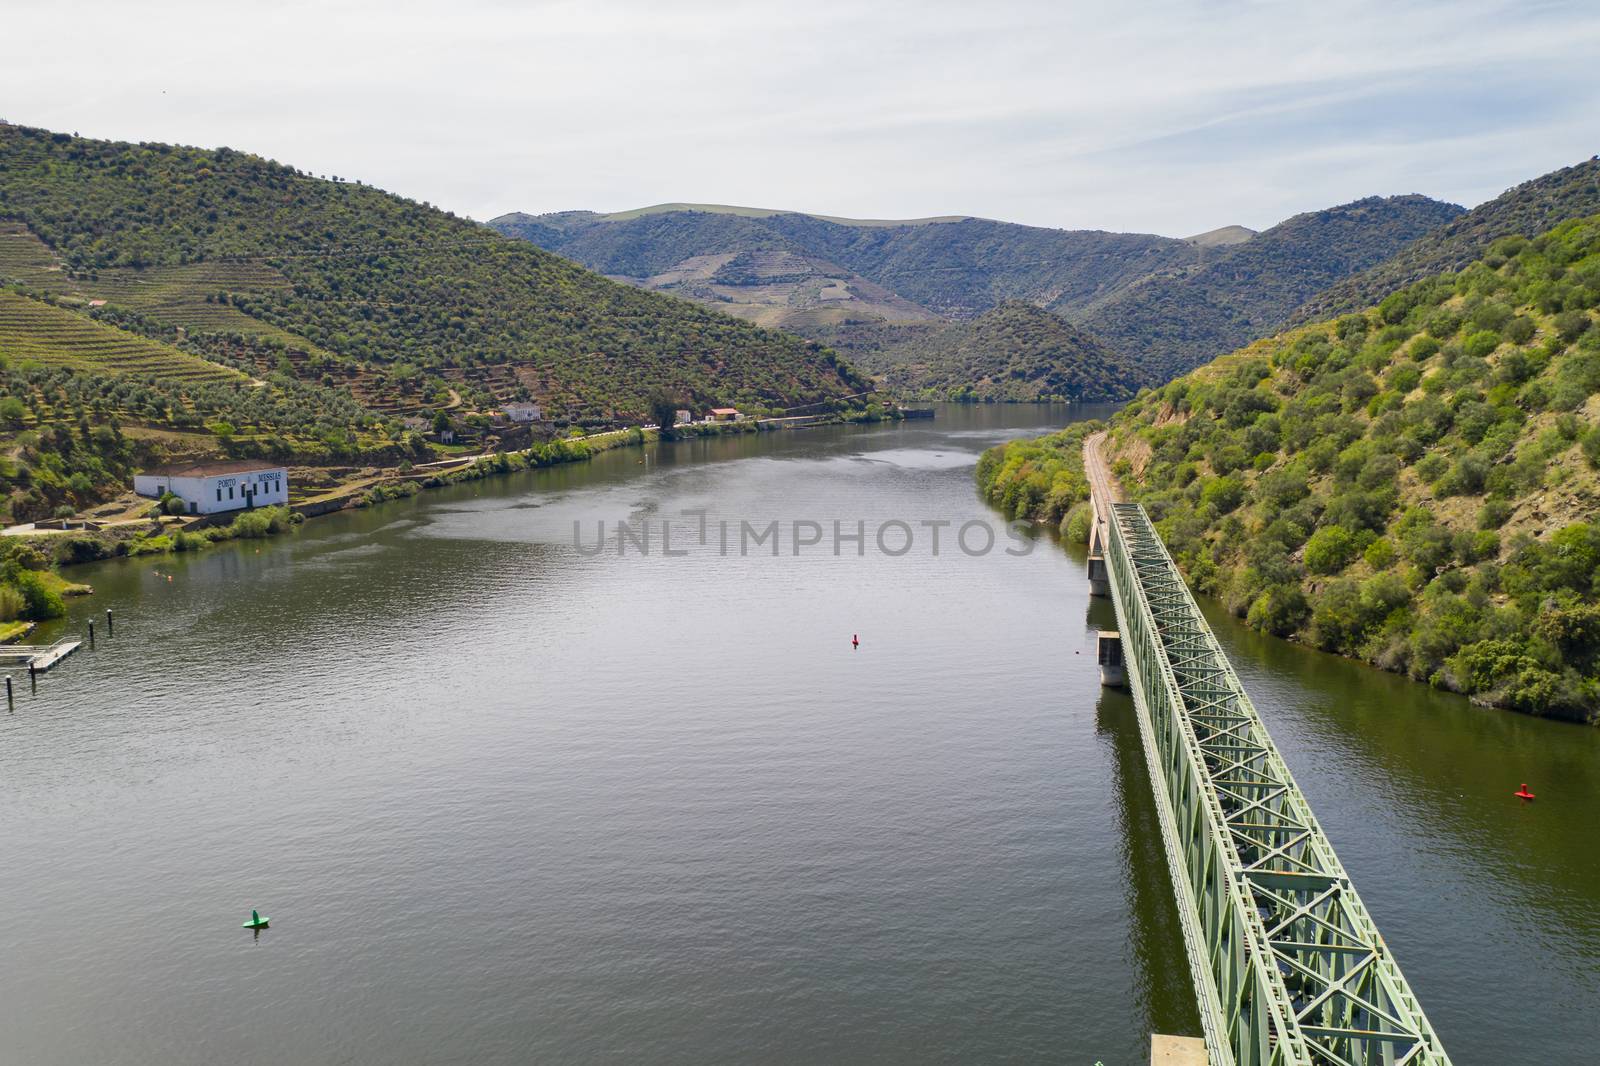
[{"x": 1288, "y": 966}]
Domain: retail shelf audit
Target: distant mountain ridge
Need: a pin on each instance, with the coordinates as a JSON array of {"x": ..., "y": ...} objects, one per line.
[
  {"x": 1525, "y": 210},
  {"x": 767, "y": 212},
  {"x": 1173, "y": 321},
  {"x": 876, "y": 288},
  {"x": 955, "y": 268},
  {"x": 1167, "y": 304}
]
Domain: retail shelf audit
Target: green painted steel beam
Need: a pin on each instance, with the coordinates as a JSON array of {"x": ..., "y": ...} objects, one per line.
[{"x": 1289, "y": 968}]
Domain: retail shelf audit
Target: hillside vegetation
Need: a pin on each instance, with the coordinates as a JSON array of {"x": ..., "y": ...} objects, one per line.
[
  {"x": 1016, "y": 352},
  {"x": 336, "y": 282},
  {"x": 1174, "y": 321},
  {"x": 1527, "y": 210},
  {"x": 1414, "y": 485}
]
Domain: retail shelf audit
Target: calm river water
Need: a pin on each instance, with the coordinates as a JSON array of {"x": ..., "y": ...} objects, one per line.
[{"x": 506, "y": 802}]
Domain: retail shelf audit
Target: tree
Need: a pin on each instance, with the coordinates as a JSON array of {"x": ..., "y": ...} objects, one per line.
[{"x": 664, "y": 409}]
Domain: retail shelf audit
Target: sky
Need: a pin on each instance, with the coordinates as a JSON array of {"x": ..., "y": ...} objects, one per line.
[{"x": 1161, "y": 117}]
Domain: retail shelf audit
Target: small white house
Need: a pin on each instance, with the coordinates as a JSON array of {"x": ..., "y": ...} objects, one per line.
[
  {"x": 207, "y": 488},
  {"x": 682, "y": 417},
  {"x": 523, "y": 412}
]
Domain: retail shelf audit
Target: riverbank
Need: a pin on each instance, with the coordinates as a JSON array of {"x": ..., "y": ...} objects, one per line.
[{"x": 157, "y": 536}]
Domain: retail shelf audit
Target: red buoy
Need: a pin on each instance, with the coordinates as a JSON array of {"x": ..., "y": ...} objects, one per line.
[
  {"x": 1522, "y": 792},
  {"x": 855, "y": 640}
]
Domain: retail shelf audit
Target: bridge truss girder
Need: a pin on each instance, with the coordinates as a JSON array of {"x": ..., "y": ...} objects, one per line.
[{"x": 1289, "y": 968}]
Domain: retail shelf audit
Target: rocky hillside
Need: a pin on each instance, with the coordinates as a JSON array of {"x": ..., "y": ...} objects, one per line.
[{"x": 1415, "y": 484}]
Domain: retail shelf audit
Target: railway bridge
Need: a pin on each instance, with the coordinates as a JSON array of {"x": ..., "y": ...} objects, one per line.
[{"x": 1288, "y": 967}]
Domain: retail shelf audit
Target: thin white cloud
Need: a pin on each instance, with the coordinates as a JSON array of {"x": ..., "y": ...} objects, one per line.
[{"x": 1166, "y": 117}]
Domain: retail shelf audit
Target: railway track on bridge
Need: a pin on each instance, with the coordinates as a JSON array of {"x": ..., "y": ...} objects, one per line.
[{"x": 1288, "y": 966}]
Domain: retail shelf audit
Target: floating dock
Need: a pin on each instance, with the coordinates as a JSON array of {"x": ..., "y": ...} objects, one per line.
[{"x": 38, "y": 657}]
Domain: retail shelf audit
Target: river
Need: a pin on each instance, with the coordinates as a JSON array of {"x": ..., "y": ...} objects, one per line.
[{"x": 508, "y": 801}]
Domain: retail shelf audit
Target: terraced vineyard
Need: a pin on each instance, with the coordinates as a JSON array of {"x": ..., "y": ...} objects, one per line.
[
  {"x": 184, "y": 295},
  {"x": 34, "y": 331}
]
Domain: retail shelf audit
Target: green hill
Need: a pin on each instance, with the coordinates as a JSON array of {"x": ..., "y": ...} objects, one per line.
[
  {"x": 1015, "y": 352},
  {"x": 1530, "y": 208},
  {"x": 1175, "y": 320},
  {"x": 1415, "y": 484},
  {"x": 343, "y": 284}
]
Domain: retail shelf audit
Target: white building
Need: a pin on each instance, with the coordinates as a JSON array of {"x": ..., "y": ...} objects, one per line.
[
  {"x": 207, "y": 488},
  {"x": 522, "y": 412}
]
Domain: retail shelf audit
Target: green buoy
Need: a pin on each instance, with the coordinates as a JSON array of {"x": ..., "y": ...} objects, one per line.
[{"x": 256, "y": 921}]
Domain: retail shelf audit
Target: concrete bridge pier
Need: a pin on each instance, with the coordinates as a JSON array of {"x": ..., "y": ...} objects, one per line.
[
  {"x": 1099, "y": 574},
  {"x": 1099, "y": 577},
  {"x": 1177, "y": 1051},
  {"x": 1108, "y": 652}
]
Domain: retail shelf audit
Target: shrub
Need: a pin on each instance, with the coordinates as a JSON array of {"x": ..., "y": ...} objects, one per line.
[
  {"x": 1279, "y": 610},
  {"x": 1422, "y": 541},
  {"x": 1223, "y": 493},
  {"x": 1570, "y": 325},
  {"x": 1330, "y": 550},
  {"x": 11, "y": 603},
  {"x": 1491, "y": 315},
  {"x": 40, "y": 601},
  {"x": 1494, "y": 513},
  {"x": 1465, "y": 478},
  {"x": 82, "y": 548},
  {"x": 1379, "y": 554},
  {"x": 263, "y": 522},
  {"x": 1480, "y": 344},
  {"x": 1432, "y": 467},
  {"x": 1590, "y": 444},
  {"x": 1424, "y": 348},
  {"x": 1443, "y": 324},
  {"x": 1076, "y": 525},
  {"x": 155, "y": 545},
  {"x": 1337, "y": 617},
  {"x": 1473, "y": 546}
]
